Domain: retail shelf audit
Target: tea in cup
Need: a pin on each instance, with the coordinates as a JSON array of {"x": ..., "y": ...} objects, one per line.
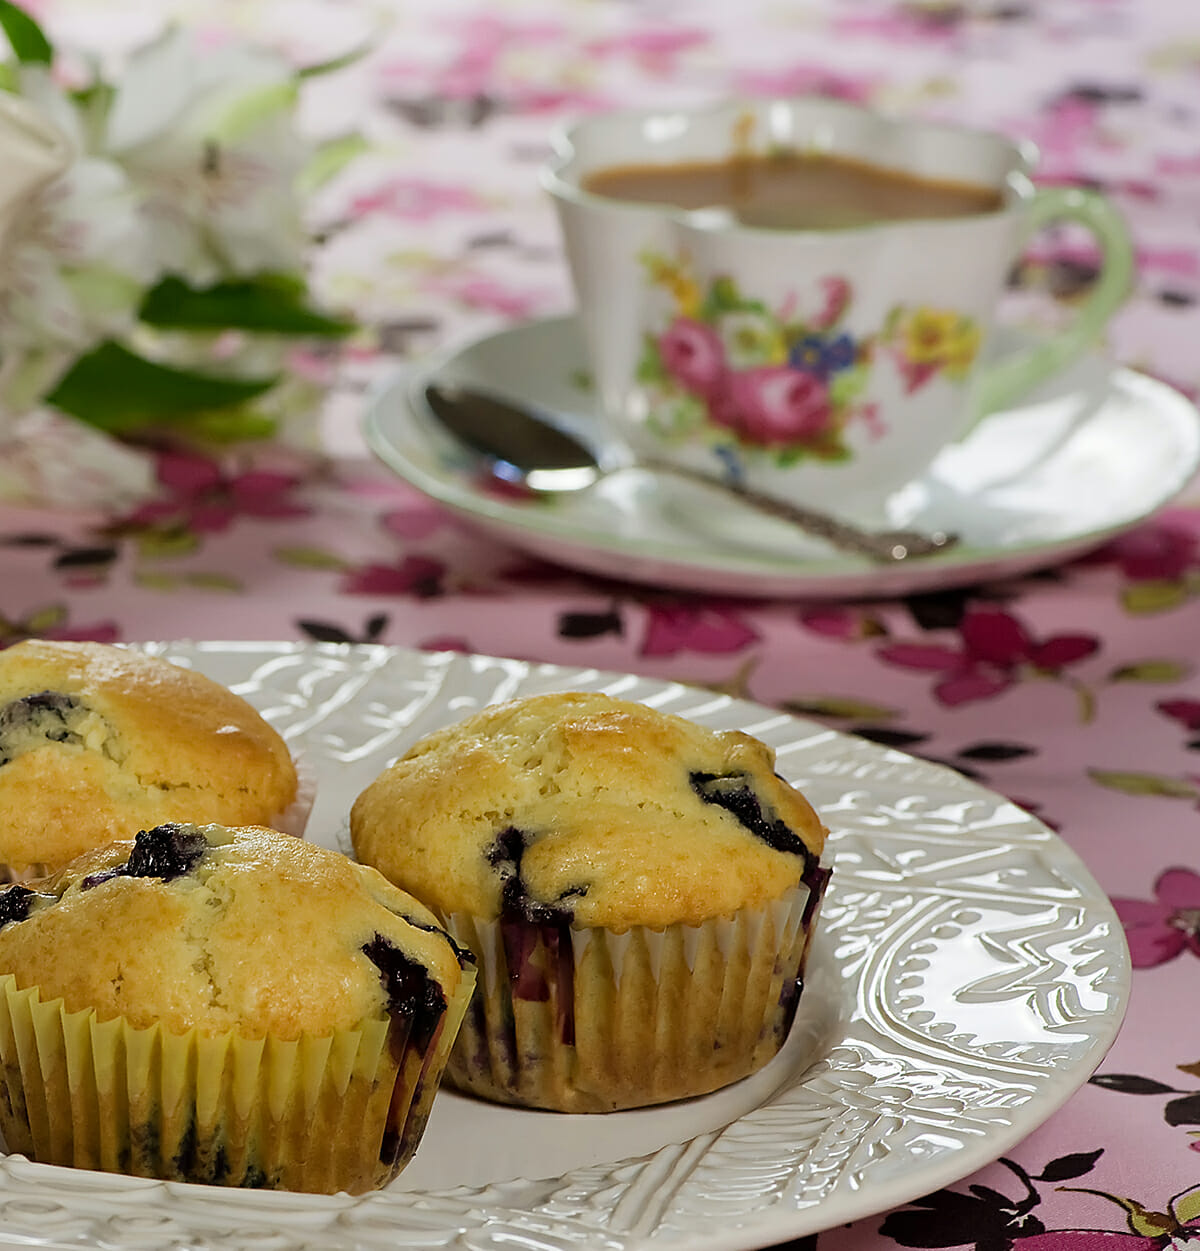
[{"x": 800, "y": 295}]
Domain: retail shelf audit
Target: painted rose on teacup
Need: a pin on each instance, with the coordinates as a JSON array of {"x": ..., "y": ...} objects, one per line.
[{"x": 825, "y": 347}]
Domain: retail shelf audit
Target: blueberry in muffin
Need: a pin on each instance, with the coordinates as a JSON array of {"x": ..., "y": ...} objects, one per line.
[
  {"x": 223, "y": 1005},
  {"x": 97, "y": 742},
  {"x": 639, "y": 892}
]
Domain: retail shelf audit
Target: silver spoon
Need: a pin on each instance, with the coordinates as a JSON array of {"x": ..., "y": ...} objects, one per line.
[{"x": 524, "y": 445}]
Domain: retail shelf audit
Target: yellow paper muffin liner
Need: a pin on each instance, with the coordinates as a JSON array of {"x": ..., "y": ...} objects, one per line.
[
  {"x": 340, "y": 1112},
  {"x": 589, "y": 1020}
]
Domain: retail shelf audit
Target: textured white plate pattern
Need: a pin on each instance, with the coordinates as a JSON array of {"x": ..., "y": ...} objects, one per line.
[
  {"x": 1087, "y": 455},
  {"x": 969, "y": 976}
]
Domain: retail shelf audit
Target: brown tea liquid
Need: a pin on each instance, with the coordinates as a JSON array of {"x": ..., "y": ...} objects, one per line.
[{"x": 795, "y": 191}]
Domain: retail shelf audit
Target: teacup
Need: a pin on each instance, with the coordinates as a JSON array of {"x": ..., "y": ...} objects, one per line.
[{"x": 823, "y": 365}]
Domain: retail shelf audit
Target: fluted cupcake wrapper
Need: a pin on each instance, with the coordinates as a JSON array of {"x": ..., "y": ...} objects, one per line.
[
  {"x": 340, "y": 1112},
  {"x": 294, "y": 818},
  {"x": 589, "y": 1020}
]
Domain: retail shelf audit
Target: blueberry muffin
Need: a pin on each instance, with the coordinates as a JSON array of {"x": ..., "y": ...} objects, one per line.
[
  {"x": 99, "y": 742},
  {"x": 230, "y": 1006},
  {"x": 638, "y": 891}
]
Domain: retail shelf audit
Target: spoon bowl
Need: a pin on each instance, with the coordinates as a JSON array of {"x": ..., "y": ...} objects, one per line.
[{"x": 524, "y": 445}]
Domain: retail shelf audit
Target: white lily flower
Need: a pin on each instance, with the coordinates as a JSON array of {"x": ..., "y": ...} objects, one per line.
[
  {"x": 72, "y": 268},
  {"x": 207, "y": 136},
  {"x": 52, "y": 460}
]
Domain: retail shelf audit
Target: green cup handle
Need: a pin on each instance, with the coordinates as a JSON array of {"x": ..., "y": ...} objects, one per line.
[{"x": 1002, "y": 382}]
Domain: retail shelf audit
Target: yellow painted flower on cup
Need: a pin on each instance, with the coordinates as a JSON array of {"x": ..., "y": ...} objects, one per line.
[
  {"x": 673, "y": 277},
  {"x": 963, "y": 348},
  {"x": 929, "y": 334},
  {"x": 930, "y": 341}
]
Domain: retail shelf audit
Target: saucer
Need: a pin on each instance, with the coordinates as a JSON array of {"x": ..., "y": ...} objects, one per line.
[{"x": 1083, "y": 458}]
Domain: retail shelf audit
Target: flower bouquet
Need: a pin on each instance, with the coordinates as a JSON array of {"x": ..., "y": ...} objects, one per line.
[{"x": 152, "y": 259}]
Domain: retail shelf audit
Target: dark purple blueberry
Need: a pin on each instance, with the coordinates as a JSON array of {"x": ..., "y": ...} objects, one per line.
[
  {"x": 50, "y": 714},
  {"x": 508, "y": 849},
  {"x": 461, "y": 954},
  {"x": 505, "y": 854},
  {"x": 521, "y": 941},
  {"x": 55, "y": 704},
  {"x": 789, "y": 1001},
  {"x": 411, "y": 993},
  {"x": 167, "y": 852},
  {"x": 734, "y": 793},
  {"x": 105, "y": 875},
  {"x": 15, "y": 902},
  {"x": 527, "y": 925},
  {"x": 816, "y": 878}
]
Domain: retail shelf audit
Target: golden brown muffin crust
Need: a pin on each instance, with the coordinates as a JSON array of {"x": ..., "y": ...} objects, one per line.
[
  {"x": 264, "y": 934},
  {"x": 603, "y": 797},
  {"x": 135, "y": 741}
]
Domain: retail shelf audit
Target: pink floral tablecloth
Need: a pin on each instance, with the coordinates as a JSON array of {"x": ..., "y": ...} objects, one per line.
[{"x": 1075, "y": 692}]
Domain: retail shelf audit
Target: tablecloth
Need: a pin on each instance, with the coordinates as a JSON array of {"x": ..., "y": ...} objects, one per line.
[{"x": 1074, "y": 691}]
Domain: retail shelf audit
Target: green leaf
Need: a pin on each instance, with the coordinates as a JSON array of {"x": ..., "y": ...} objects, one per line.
[
  {"x": 48, "y": 618},
  {"x": 156, "y": 581},
  {"x": 1151, "y": 671},
  {"x": 251, "y": 109},
  {"x": 213, "y": 581},
  {"x": 723, "y": 296},
  {"x": 650, "y": 367},
  {"x": 269, "y": 303},
  {"x": 832, "y": 453},
  {"x": 232, "y": 425},
  {"x": 1131, "y": 783},
  {"x": 839, "y": 706},
  {"x": 98, "y": 287},
  {"x": 849, "y": 384},
  {"x": 786, "y": 457},
  {"x": 29, "y": 43},
  {"x": 116, "y": 390},
  {"x": 1141, "y": 1220},
  {"x": 1156, "y": 596},
  {"x": 1148, "y": 1223},
  {"x": 1186, "y": 1205},
  {"x": 330, "y": 159},
  {"x": 167, "y": 543},
  {"x": 335, "y": 63},
  {"x": 309, "y": 558}
]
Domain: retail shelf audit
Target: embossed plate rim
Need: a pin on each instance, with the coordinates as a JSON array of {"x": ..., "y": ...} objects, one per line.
[{"x": 68, "y": 1208}]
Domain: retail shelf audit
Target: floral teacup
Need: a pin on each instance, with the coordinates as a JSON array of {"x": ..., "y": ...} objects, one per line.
[{"x": 824, "y": 366}]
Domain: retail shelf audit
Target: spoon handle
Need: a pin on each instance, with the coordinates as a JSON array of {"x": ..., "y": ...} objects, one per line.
[{"x": 886, "y": 546}]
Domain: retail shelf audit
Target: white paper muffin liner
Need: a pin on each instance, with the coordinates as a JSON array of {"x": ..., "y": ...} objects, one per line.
[
  {"x": 590, "y": 1020},
  {"x": 340, "y": 1112},
  {"x": 294, "y": 818}
]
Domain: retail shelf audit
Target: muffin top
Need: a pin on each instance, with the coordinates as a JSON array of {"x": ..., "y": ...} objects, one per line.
[
  {"x": 228, "y": 929},
  {"x": 97, "y": 742},
  {"x": 584, "y": 808}
]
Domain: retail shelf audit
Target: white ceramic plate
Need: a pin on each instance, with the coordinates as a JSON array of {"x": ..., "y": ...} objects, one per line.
[
  {"x": 1086, "y": 457},
  {"x": 969, "y": 976}
]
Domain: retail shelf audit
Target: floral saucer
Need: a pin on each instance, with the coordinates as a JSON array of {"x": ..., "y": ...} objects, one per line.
[{"x": 1083, "y": 458}]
